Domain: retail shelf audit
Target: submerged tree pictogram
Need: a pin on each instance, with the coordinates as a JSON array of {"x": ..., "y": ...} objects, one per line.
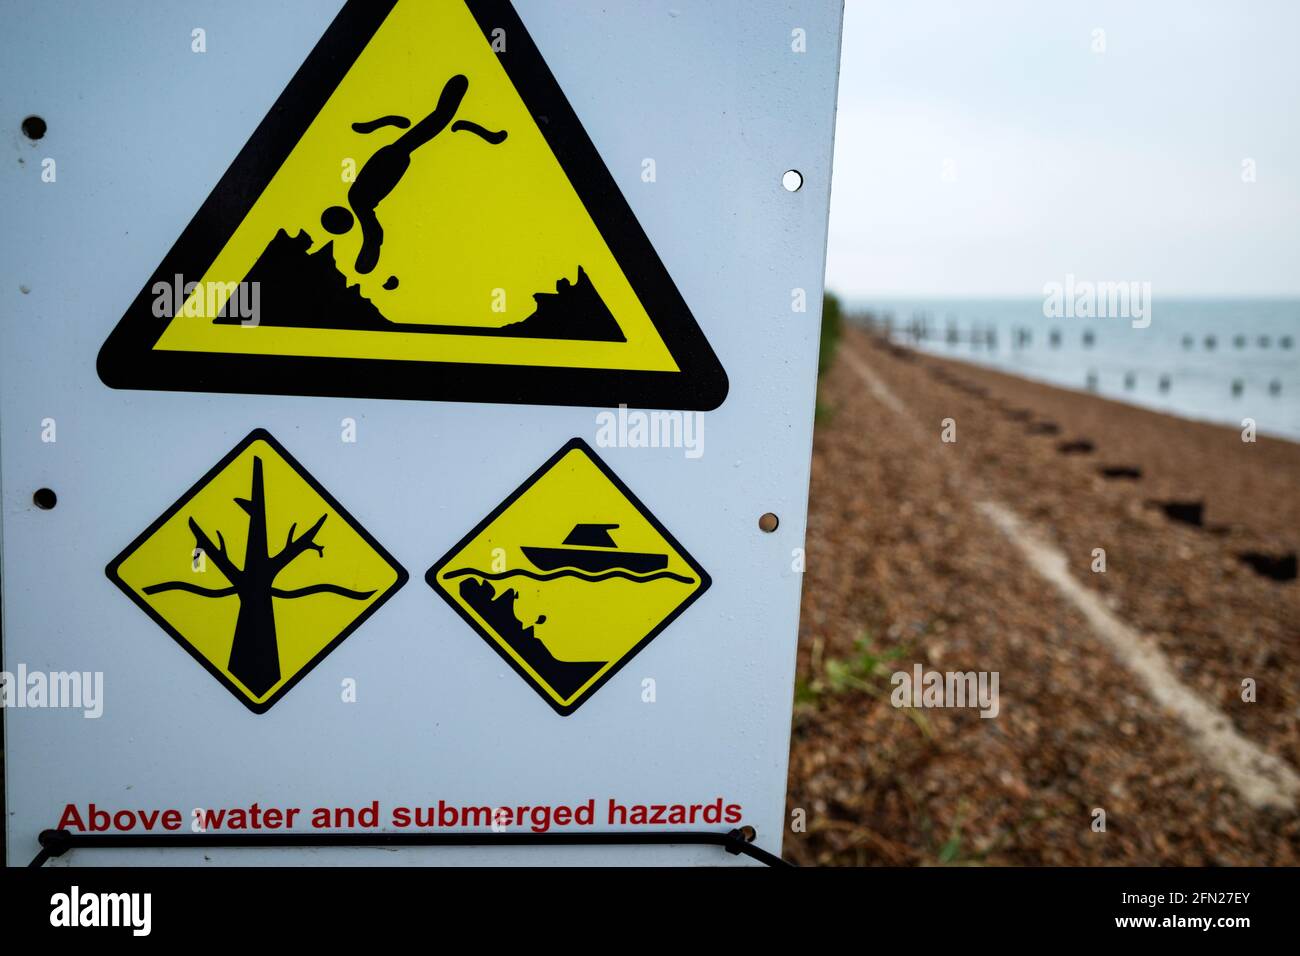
[{"x": 254, "y": 653}]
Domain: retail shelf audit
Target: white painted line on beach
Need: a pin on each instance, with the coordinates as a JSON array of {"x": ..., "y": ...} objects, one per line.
[
  {"x": 1262, "y": 779},
  {"x": 876, "y": 386}
]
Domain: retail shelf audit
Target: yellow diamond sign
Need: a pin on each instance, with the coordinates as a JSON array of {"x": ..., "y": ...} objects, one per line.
[
  {"x": 257, "y": 572},
  {"x": 569, "y": 577}
]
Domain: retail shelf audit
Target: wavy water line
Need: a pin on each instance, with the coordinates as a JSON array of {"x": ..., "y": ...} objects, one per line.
[
  {"x": 369, "y": 126},
  {"x": 571, "y": 573}
]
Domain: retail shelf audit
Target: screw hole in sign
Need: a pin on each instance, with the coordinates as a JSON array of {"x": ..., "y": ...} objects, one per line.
[
  {"x": 34, "y": 127},
  {"x": 792, "y": 179},
  {"x": 45, "y": 498},
  {"x": 768, "y": 522}
]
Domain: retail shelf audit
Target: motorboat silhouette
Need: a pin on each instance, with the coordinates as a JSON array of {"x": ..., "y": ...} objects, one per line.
[{"x": 590, "y": 547}]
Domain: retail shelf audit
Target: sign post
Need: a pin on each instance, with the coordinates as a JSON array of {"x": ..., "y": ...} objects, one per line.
[{"x": 430, "y": 470}]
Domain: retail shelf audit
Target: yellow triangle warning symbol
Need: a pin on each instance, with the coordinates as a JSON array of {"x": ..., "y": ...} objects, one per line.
[{"x": 421, "y": 215}]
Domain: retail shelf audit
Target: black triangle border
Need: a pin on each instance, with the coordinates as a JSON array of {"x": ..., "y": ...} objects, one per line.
[{"x": 127, "y": 359}]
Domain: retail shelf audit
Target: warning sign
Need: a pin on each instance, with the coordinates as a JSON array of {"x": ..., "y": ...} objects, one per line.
[
  {"x": 257, "y": 571},
  {"x": 421, "y": 215},
  {"x": 569, "y": 577},
  {"x": 413, "y": 234}
]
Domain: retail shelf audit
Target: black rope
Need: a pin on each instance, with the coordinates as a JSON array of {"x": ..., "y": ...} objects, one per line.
[{"x": 736, "y": 842}]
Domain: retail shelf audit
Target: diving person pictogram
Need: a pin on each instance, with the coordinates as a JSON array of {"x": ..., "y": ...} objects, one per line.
[{"x": 381, "y": 173}]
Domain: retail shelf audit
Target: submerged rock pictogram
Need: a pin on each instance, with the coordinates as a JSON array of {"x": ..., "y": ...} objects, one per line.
[{"x": 569, "y": 577}]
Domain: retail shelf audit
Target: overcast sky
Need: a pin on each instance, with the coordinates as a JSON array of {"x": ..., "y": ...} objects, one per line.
[{"x": 984, "y": 148}]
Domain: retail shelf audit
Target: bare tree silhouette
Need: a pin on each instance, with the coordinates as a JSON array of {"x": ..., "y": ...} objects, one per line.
[{"x": 254, "y": 654}]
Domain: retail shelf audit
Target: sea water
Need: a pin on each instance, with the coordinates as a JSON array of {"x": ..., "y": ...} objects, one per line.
[{"x": 1218, "y": 361}]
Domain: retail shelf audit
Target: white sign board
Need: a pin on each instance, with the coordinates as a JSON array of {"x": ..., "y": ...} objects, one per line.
[{"x": 406, "y": 414}]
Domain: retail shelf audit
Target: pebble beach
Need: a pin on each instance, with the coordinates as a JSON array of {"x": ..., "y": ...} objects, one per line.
[{"x": 909, "y": 562}]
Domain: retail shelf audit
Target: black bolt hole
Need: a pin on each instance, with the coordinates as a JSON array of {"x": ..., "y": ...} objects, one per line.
[
  {"x": 34, "y": 127},
  {"x": 45, "y": 498}
]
